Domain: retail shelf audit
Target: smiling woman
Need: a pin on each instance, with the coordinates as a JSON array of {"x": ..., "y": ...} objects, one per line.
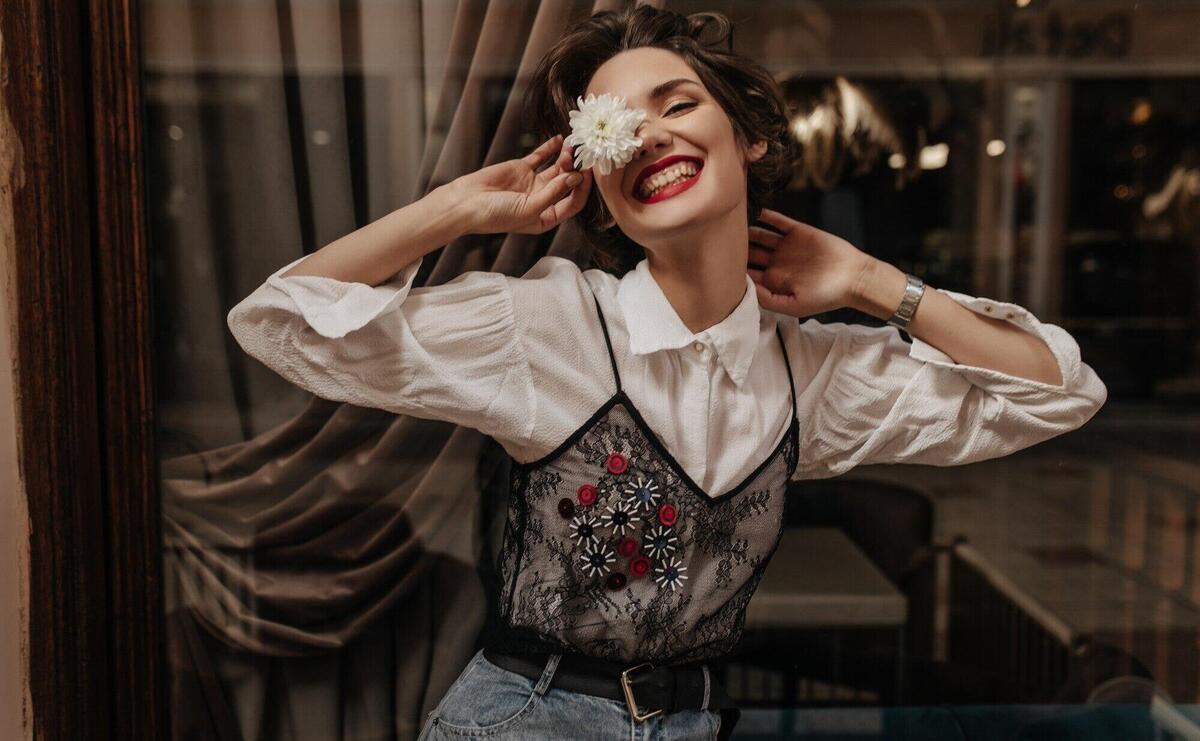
[
  {"x": 653, "y": 417},
  {"x": 684, "y": 74}
]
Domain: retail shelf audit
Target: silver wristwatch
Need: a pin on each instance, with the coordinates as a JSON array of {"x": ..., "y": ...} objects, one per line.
[{"x": 913, "y": 291}]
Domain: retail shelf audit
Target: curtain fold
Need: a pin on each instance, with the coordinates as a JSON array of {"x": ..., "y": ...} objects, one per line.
[{"x": 321, "y": 558}]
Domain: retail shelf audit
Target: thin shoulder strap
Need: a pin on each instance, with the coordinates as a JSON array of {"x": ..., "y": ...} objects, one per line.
[
  {"x": 608, "y": 343},
  {"x": 788, "y": 363}
]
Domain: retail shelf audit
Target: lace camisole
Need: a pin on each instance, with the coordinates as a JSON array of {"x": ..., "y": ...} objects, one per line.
[{"x": 610, "y": 550}]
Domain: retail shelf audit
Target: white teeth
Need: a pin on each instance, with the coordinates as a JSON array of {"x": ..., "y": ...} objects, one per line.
[{"x": 662, "y": 179}]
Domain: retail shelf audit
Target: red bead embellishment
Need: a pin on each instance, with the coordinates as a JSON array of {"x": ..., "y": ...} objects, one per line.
[
  {"x": 617, "y": 463},
  {"x": 639, "y": 566},
  {"x": 615, "y": 580},
  {"x": 566, "y": 508},
  {"x": 628, "y": 547},
  {"x": 667, "y": 514},
  {"x": 586, "y": 495}
]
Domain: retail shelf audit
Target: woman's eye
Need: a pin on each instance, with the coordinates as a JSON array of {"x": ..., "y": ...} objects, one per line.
[{"x": 679, "y": 106}]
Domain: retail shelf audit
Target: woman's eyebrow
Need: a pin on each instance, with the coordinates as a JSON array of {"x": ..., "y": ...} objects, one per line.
[{"x": 663, "y": 88}]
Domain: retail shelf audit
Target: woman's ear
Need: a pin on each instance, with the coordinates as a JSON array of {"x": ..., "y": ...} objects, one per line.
[{"x": 757, "y": 151}]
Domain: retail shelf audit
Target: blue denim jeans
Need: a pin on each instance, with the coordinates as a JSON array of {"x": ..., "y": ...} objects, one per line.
[{"x": 487, "y": 701}]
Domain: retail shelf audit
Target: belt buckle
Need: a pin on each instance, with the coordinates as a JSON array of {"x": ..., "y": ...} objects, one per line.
[{"x": 629, "y": 699}]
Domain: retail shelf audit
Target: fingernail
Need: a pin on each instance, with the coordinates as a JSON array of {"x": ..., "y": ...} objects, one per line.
[{"x": 574, "y": 178}]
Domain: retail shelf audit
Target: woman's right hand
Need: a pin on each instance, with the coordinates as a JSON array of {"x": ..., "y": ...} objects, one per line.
[{"x": 513, "y": 197}]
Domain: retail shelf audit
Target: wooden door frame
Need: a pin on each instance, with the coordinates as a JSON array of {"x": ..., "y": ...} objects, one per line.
[{"x": 71, "y": 86}]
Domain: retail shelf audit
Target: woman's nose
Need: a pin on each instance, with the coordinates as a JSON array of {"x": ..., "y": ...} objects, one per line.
[{"x": 652, "y": 136}]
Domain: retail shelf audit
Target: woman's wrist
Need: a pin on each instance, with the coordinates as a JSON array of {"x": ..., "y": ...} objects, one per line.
[
  {"x": 879, "y": 289},
  {"x": 457, "y": 215}
]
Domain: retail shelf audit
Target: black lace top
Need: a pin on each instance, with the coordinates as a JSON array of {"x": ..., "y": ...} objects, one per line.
[{"x": 611, "y": 550}]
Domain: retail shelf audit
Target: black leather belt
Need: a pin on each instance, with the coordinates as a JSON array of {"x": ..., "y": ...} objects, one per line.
[{"x": 647, "y": 690}]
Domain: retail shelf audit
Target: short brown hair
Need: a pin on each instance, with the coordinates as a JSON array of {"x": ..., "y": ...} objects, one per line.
[{"x": 747, "y": 92}]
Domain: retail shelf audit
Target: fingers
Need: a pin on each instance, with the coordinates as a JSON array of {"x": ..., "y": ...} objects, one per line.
[
  {"x": 543, "y": 153},
  {"x": 575, "y": 203},
  {"x": 759, "y": 256},
  {"x": 763, "y": 243},
  {"x": 777, "y": 220},
  {"x": 765, "y": 237},
  {"x": 770, "y": 279},
  {"x": 561, "y": 165},
  {"x": 552, "y": 192},
  {"x": 768, "y": 299},
  {"x": 567, "y": 207}
]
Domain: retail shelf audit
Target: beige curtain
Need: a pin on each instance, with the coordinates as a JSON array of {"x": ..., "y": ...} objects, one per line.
[{"x": 320, "y": 558}]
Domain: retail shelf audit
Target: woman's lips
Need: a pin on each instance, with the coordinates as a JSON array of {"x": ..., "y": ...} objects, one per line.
[{"x": 673, "y": 189}]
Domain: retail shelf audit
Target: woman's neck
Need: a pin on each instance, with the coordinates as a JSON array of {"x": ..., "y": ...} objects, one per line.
[{"x": 704, "y": 278}]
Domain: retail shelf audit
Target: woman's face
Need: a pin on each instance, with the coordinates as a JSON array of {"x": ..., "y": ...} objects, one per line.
[{"x": 684, "y": 120}]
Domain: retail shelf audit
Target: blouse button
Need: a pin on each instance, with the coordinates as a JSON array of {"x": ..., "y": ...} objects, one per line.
[
  {"x": 1009, "y": 315},
  {"x": 586, "y": 494},
  {"x": 617, "y": 463},
  {"x": 988, "y": 309},
  {"x": 667, "y": 514},
  {"x": 566, "y": 508},
  {"x": 698, "y": 346},
  {"x": 615, "y": 580}
]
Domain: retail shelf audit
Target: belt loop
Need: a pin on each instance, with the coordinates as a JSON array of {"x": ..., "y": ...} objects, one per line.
[
  {"x": 707, "y": 687},
  {"x": 543, "y": 682}
]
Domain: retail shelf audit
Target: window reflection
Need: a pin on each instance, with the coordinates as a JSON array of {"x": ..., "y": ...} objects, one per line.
[{"x": 1046, "y": 154}]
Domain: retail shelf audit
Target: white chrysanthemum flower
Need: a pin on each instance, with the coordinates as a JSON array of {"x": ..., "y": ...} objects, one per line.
[{"x": 602, "y": 131}]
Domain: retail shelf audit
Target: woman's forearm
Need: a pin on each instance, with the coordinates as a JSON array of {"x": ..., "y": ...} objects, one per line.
[
  {"x": 379, "y": 250},
  {"x": 967, "y": 337}
]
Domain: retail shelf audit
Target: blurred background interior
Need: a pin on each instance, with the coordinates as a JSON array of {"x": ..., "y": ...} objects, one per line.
[{"x": 321, "y": 559}]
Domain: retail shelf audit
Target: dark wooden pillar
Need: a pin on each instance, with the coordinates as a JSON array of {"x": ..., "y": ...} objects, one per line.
[{"x": 70, "y": 89}]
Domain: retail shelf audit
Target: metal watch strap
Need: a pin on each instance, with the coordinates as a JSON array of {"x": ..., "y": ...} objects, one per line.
[{"x": 914, "y": 289}]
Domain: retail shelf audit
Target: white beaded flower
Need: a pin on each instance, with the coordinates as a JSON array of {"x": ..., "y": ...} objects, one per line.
[
  {"x": 602, "y": 130},
  {"x": 583, "y": 529},
  {"x": 596, "y": 558},
  {"x": 643, "y": 493},
  {"x": 621, "y": 516},
  {"x": 659, "y": 541},
  {"x": 670, "y": 574}
]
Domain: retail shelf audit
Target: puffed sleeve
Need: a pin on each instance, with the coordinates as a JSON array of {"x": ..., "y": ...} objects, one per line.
[
  {"x": 447, "y": 352},
  {"x": 870, "y": 397}
]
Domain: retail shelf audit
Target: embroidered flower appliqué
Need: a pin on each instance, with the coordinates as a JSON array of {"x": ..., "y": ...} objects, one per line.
[
  {"x": 643, "y": 493},
  {"x": 621, "y": 516},
  {"x": 670, "y": 574},
  {"x": 596, "y": 558},
  {"x": 586, "y": 495},
  {"x": 583, "y": 529},
  {"x": 660, "y": 541}
]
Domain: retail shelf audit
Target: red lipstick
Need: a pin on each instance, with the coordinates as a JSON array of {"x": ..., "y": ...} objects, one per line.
[{"x": 671, "y": 189}]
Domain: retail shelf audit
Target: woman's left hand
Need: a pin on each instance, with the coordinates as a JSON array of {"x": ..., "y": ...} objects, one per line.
[{"x": 803, "y": 271}]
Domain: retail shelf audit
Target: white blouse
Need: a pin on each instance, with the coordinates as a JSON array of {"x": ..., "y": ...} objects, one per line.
[{"x": 524, "y": 361}]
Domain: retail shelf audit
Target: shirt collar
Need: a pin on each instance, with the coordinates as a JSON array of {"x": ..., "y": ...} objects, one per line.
[{"x": 653, "y": 324}]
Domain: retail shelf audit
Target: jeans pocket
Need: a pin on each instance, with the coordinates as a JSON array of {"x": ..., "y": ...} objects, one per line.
[{"x": 485, "y": 700}]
